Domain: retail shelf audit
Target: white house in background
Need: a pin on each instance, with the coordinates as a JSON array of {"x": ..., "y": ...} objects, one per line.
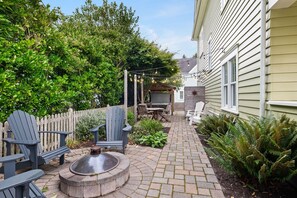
[{"x": 188, "y": 68}]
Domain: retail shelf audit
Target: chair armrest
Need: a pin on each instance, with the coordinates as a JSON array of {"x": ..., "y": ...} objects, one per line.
[
  {"x": 95, "y": 132},
  {"x": 25, "y": 142},
  {"x": 11, "y": 158},
  {"x": 96, "y": 129},
  {"x": 128, "y": 128},
  {"x": 21, "y": 179},
  {"x": 57, "y": 132}
]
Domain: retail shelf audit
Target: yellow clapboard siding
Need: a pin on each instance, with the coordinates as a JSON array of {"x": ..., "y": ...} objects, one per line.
[
  {"x": 249, "y": 96},
  {"x": 253, "y": 45},
  {"x": 249, "y": 89},
  {"x": 282, "y": 87},
  {"x": 250, "y": 61},
  {"x": 283, "y": 49},
  {"x": 248, "y": 111},
  {"x": 281, "y": 40},
  {"x": 250, "y": 82},
  {"x": 283, "y": 22},
  {"x": 283, "y": 59},
  {"x": 282, "y": 77},
  {"x": 239, "y": 24},
  {"x": 283, "y": 68},
  {"x": 245, "y": 103},
  {"x": 282, "y": 81},
  {"x": 246, "y": 76},
  {"x": 283, "y": 31},
  {"x": 282, "y": 96},
  {"x": 252, "y": 67}
]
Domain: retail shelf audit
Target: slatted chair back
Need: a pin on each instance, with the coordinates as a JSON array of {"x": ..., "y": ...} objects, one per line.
[
  {"x": 24, "y": 127},
  {"x": 115, "y": 120},
  {"x": 142, "y": 109},
  {"x": 199, "y": 108}
]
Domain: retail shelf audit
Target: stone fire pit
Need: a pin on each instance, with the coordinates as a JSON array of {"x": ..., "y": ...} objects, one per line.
[{"x": 95, "y": 184}]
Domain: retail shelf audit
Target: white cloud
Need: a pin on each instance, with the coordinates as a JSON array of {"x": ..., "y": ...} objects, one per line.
[
  {"x": 170, "y": 11},
  {"x": 148, "y": 33},
  {"x": 176, "y": 43}
]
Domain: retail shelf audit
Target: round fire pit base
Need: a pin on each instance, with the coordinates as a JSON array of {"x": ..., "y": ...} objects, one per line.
[{"x": 95, "y": 185}]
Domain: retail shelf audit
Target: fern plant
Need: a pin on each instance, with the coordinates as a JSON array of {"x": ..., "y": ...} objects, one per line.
[
  {"x": 213, "y": 123},
  {"x": 263, "y": 148}
]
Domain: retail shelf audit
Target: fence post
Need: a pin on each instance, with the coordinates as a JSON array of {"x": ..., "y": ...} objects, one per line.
[{"x": 71, "y": 122}]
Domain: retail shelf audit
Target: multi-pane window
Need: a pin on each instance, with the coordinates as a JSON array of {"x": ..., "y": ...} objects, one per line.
[
  {"x": 229, "y": 83},
  {"x": 181, "y": 95}
]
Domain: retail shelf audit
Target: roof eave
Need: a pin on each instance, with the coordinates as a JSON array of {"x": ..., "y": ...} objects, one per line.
[{"x": 200, "y": 10}]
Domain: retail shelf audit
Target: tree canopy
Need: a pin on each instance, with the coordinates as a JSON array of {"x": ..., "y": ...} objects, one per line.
[{"x": 50, "y": 62}]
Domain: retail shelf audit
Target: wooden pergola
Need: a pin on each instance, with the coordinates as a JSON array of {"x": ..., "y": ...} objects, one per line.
[{"x": 164, "y": 88}]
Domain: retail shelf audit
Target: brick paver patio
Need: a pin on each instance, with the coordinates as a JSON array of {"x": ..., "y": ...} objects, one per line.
[{"x": 180, "y": 169}]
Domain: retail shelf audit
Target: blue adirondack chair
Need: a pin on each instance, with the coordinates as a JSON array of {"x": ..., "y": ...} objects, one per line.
[
  {"x": 18, "y": 186},
  {"x": 26, "y": 136},
  {"x": 116, "y": 132}
]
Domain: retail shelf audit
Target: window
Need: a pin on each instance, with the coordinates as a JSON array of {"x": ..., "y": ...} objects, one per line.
[
  {"x": 229, "y": 82},
  {"x": 209, "y": 54},
  {"x": 181, "y": 95}
]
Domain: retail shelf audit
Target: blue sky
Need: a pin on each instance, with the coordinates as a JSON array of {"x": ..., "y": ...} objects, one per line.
[{"x": 167, "y": 22}]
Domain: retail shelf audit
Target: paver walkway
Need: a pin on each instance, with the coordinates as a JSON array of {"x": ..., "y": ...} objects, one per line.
[{"x": 180, "y": 169}]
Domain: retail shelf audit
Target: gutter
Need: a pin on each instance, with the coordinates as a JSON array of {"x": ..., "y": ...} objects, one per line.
[
  {"x": 196, "y": 11},
  {"x": 263, "y": 60}
]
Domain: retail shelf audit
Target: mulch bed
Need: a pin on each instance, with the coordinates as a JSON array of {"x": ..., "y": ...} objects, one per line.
[
  {"x": 166, "y": 129},
  {"x": 234, "y": 186}
]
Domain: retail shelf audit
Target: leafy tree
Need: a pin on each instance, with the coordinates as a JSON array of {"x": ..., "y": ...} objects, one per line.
[{"x": 50, "y": 62}]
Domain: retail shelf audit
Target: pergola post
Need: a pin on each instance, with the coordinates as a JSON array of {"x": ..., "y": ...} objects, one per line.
[
  {"x": 142, "y": 98},
  {"x": 126, "y": 95},
  {"x": 135, "y": 97}
]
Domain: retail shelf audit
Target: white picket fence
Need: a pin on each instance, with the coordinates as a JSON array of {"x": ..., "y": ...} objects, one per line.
[{"x": 58, "y": 122}]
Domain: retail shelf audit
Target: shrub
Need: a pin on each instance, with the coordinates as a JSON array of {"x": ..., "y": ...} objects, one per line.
[
  {"x": 213, "y": 123},
  {"x": 72, "y": 144},
  {"x": 264, "y": 149},
  {"x": 86, "y": 123},
  {"x": 150, "y": 125},
  {"x": 135, "y": 136},
  {"x": 148, "y": 133},
  {"x": 157, "y": 139},
  {"x": 131, "y": 118}
]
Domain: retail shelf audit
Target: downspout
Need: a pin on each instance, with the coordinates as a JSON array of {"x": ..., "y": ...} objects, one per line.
[{"x": 263, "y": 59}]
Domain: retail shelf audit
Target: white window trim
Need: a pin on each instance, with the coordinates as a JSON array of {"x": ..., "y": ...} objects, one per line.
[
  {"x": 230, "y": 109},
  {"x": 209, "y": 53}
]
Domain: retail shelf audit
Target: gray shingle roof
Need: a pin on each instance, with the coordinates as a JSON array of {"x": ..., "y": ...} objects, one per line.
[{"x": 184, "y": 62}]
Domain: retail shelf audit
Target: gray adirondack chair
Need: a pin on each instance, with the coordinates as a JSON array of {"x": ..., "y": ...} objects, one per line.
[
  {"x": 26, "y": 136},
  {"x": 116, "y": 133},
  {"x": 18, "y": 186}
]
